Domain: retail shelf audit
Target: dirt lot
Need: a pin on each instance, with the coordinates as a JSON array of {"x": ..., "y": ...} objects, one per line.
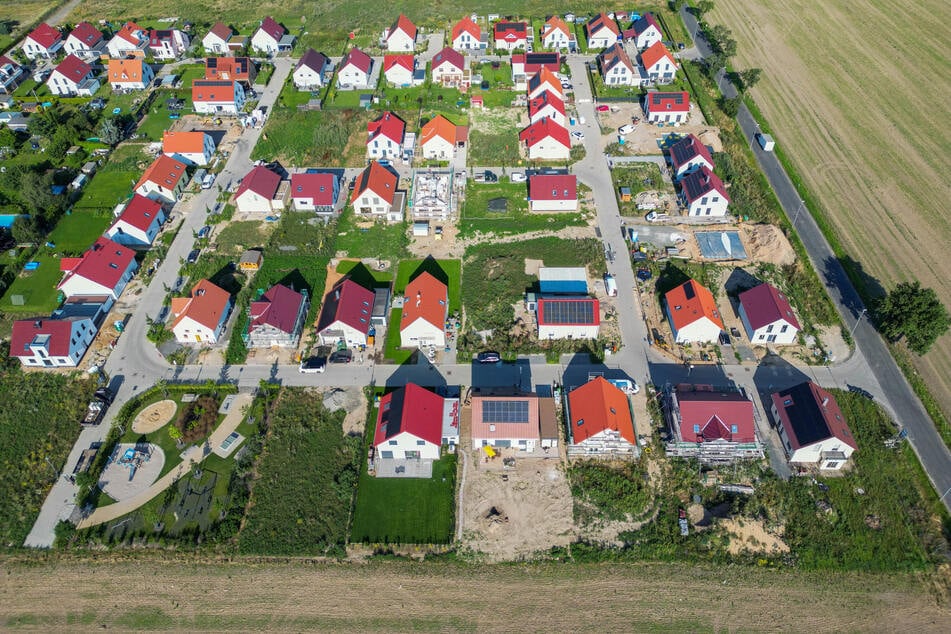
[
  {"x": 644, "y": 139},
  {"x": 873, "y": 168}
]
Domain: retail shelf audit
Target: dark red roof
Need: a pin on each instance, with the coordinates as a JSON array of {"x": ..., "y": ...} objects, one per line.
[
  {"x": 104, "y": 263},
  {"x": 272, "y": 28},
  {"x": 668, "y": 102},
  {"x": 45, "y": 35},
  {"x": 87, "y": 34},
  {"x": 348, "y": 303},
  {"x": 313, "y": 60},
  {"x": 707, "y": 415},
  {"x": 612, "y": 56},
  {"x": 261, "y": 181},
  {"x": 542, "y": 129},
  {"x": 809, "y": 415},
  {"x": 510, "y": 31},
  {"x": 387, "y": 125},
  {"x": 599, "y": 22},
  {"x": 318, "y": 187},
  {"x": 700, "y": 183},
  {"x": 222, "y": 31},
  {"x": 647, "y": 21},
  {"x": 535, "y": 62},
  {"x": 688, "y": 149},
  {"x": 141, "y": 212},
  {"x": 358, "y": 58},
  {"x": 411, "y": 409},
  {"x": 25, "y": 330},
  {"x": 553, "y": 187},
  {"x": 156, "y": 37},
  {"x": 765, "y": 304},
  {"x": 73, "y": 69},
  {"x": 451, "y": 56},
  {"x": 278, "y": 307}
]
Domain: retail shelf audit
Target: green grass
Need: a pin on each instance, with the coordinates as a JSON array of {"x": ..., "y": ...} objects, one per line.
[
  {"x": 497, "y": 77},
  {"x": 640, "y": 177},
  {"x": 238, "y": 236},
  {"x": 392, "y": 352},
  {"x": 449, "y": 270},
  {"x": 476, "y": 218},
  {"x": 383, "y": 241},
  {"x": 329, "y": 138},
  {"x": 75, "y": 232},
  {"x": 494, "y": 148},
  {"x": 38, "y": 288}
]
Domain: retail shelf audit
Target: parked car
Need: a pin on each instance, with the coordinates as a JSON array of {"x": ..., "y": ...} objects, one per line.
[
  {"x": 489, "y": 356},
  {"x": 519, "y": 177},
  {"x": 603, "y": 108},
  {"x": 627, "y": 128},
  {"x": 313, "y": 365},
  {"x": 341, "y": 356},
  {"x": 193, "y": 256},
  {"x": 204, "y": 231},
  {"x": 490, "y": 177},
  {"x": 578, "y": 135}
]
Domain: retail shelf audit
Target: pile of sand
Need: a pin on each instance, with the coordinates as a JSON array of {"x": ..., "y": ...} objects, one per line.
[
  {"x": 766, "y": 243},
  {"x": 154, "y": 417},
  {"x": 752, "y": 536}
]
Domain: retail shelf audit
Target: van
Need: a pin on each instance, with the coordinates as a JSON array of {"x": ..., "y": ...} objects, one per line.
[
  {"x": 610, "y": 285},
  {"x": 208, "y": 181}
]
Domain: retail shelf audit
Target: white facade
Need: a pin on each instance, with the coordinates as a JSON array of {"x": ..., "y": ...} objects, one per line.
[
  {"x": 353, "y": 78},
  {"x": 399, "y": 75},
  {"x": 306, "y": 78},
  {"x": 399, "y": 41},
  {"x": 647, "y": 37},
  {"x": 76, "y": 285},
  {"x": 554, "y": 205},
  {"x": 712, "y": 204},
  {"x": 620, "y": 75},
  {"x": 465, "y": 41},
  {"x": 405, "y": 446},
  {"x": 261, "y": 42},
  {"x": 812, "y": 455},
  {"x": 34, "y": 50},
  {"x": 370, "y": 203},
  {"x": 133, "y": 83},
  {"x": 214, "y": 44},
  {"x": 252, "y": 202},
  {"x": 158, "y": 191},
  {"x": 171, "y": 47},
  {"x": 197, "y": 158},
  {"x": 63, "y": 86},
  {"x": 82, "y": 333},
  {"x": 548, "y": 111},
  {"x": 555, "y": 39},
  {"x": 780, "y": 332},
  {"x": 190, "y": 331},
  {"x": 549, "y": 149},
  {"x": 667, "y": 118},
  {"x": 75, "y": 46},
  {"x": 121, "y": 232},
  {"x": 694, "y": 163},
  {"x": 602, "y": 38},
  {"x": 222, "y": 106},
  {"x": 522, "y": 444},
  {"x": 438, "y": 148},
  {"x": 608, "y": 442},
  {"x": 422, "y": 333},
  {"x": 567, "y": 331},
  {"x": 340, "y": 331},
  {"x": 120, "y": 47},
  {"x": 380, "y": 146},
  {"x": 448, "y": 74},
  {"x": 663, "y": 71},
  {"x": 703, "y": 330}
]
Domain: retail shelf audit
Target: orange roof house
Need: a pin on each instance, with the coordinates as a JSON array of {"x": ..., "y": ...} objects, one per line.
[
  {"x": 600, "y": 420},
  {"x": 438, "y": 138},
  {"x": 201, "y": 317},
  {"x": 693, "y": 314},
  {"x": 164, "y": 180},
  {"x": 424, "y": 312}
]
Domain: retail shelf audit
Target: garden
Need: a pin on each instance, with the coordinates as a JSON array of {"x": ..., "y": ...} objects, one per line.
[
  {"x": 638, "y": 177},
  {"x": 477, "y": 217},
  {"x": 329, "y": 138},
  {"x": 366, "y": 239}
]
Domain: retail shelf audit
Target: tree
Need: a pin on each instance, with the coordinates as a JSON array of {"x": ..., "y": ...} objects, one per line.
[
  {"x": 8, "y": 138},
  {"x": 730, "y": 106},
  {"x": 703, "y": 7},
  {"x": 749, "y": 78},
  {"x": 712, "y": 65},
  {"x": 24, "y": 230},
  {"x": 915, "y": 314},
  {"x": 59, "y": 144},
  {"x": 110, "y": 132},
  {"x": 43, "y": 122}
]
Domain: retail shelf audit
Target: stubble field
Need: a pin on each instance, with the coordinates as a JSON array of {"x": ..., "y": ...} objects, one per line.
[{"x": 857, "y": 95}]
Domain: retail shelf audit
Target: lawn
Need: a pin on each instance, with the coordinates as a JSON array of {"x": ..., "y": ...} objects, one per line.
[
  {"x": 449, "y": 271},
  {"x": 306, "y": 480},
  {"x": 36, "y": 288},
  {"x": 76, "y": 231},
  {"x": 239, "y": 236},
  {"x": 383, "y": 241},
  {"x": 476, "y": 217},
  {"x": 493, "y": 138},
  {"x": 392, "y": 352},
  {"x": 329, "y": 138}
]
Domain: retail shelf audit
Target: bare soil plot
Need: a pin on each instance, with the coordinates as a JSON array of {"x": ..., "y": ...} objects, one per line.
[
  {"x": 865, "y": 124},
  {"x": 154, "y": 417}
]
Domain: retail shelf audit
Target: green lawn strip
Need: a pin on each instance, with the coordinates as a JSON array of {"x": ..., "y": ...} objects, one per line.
[
  {"x": 448, "y": 270},
  {"x": 379, "y": 278},
  {"x": 75, "y": 232},
  {"x": 392, "y": 352},
  {"x": 383, "y": 241},
  {"x": 476, "y": 217},
  {"x": 239, "y": 236}
]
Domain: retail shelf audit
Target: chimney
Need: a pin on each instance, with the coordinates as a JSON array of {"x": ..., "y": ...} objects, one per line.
[
  {"x": 337, "y": 294},
  {"x": 825, "y": 401}
]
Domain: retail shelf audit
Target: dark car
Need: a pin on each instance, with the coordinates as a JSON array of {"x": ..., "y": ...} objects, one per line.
[
  {"x": 489, "y": 357},
  {"x": 193, "y": 256},
  {"x": 204, "y": 231},
  {"x": 491, "y": 177},
  {"x": 98, "y": 103},
  {"x": 105, "y": 395},
  {"x": 484, "y": 85},
  {"x": 313, "y": 365},
  {"x": 341, "y": 356}
]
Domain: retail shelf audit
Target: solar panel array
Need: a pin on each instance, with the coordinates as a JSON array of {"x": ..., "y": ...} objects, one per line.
[
  {"x": 568, "y": 312},
  {"x": 504, "y": 411}
]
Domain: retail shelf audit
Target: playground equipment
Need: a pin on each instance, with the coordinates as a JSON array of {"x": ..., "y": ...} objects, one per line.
[{"x": 135, "y": 457}]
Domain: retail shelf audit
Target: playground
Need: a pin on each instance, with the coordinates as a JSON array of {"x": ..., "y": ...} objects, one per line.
[
  {"x": 132, "y": 469},
  {"x": 154, "y": 417}
]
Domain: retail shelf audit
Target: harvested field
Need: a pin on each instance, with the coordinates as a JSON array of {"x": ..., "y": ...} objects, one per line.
[
  {"x": 872, "y": 154},
  {"x": 142, "y": 592}
]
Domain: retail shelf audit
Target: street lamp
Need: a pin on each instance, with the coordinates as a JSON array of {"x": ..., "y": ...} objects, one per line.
[
  {"x": 753, "y": 138},
  {"x": 802, "y": 203},
  {"x": 855, "y": 325}
]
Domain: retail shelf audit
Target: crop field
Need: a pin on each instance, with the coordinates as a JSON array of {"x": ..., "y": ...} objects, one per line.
[{"x": 871, "y": 152}]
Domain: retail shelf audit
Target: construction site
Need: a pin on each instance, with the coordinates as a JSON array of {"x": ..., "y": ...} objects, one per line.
[{"x": 432, "y": 196}]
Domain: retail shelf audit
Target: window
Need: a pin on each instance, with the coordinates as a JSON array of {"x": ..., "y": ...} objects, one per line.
[
  {"x": 734, "y": 429},
  {"x": 421, "y": 443},
  {"x": 832, "y": 465},
  {"x": 784, "y": 328},
  {"x": 393, "y": 442},
  {"x": 696, "y": 429},
  {"x": 769, "y": 328}
]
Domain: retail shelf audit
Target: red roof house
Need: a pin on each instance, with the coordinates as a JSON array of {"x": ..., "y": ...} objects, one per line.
[
  {"x": 354, "y": 69},
  {"x": 466, "y": 35},
  {"x": 345, "y": 314},
  {"x": 689, "y": 154},
  {"x": 277, "y": 318},
  {"x": 600, "y": 420},
  {"x": 315, "y": 191},
  {"x": 201, "y": 317},
  {"x": 710, "y": 424},
  {"x": 138, "y": 224},
  {"x": 601, "y": 31},
  {"x": 423, "y": 321},
  {"x": 547, "y": 105},
  {"x": 449, "y": 69},
  {"x": 768, "y": 316},
  {"x": 553, "y": 192},
  {"x": 385, "y": 136},
  {"x": 510, "y": 35},
  {"x": 104, "y": 269},
  {"x": 667, "y": 107},
  {"x": 258, "y": 191},
  {"x": 164, "y": 180},
  {"x": 43, "y": 41},
  {"x": 547, "y": 140},
  {"x": 51, "y": 342},
  {"x": 704, "y": 194},
  {"x": 402, "y": 35},
  {"x": 398, "y": 69},
  {"x": 659, "y": 64},
  {"x": 811, "y": 427},
  {"x": 409, "y": 424},
  {"x": 693, "y": 314},
  {"x": 230, "y": 69},
  {"x": 84, "y": 38}
]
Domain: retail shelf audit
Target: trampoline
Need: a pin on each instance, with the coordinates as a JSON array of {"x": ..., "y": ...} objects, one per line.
[{"x": 721, "y": 245}]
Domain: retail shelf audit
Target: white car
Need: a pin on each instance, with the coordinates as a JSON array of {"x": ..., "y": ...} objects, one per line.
[
  {"x": 518, "y": 177},
  {"x": 627, "y": 128},
  {"x": 578, "y": 135}
]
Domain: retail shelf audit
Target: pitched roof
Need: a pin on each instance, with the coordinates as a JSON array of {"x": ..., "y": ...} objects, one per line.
[
  {"x": 317, "y": 186},
  {"x": 378, "y": 180},
  {"x": 45, "y": 35},
  {"x": 213, "y": 90},
  {"x": 438, "y": 127},
  {"x": 686, "y": 150},
  {"x": 357, "y": 58},
  {"x": 157, "y": 36},
  {"x": 689, "y": 302},
  {"x": 668, "y": 101},
  {"x": 411, "y": 409},
  {"x": 698, "y": 184},
  {"x": 427, "y": 299},
  {"x": 655, "y": 53},
  {"x": 348, "y": 303},
  {"x": 647, "y": 21},
  {"x": 221, "y": 30},
  {"x": 599, "y": 22},
  {"x": 206, "y": 305},
  {"x": 228, "y": 68},
  {"x": 543, "y": 129},
  {"x": 183, "y": 142},
  {"x": 582, "y": 311},
  {"x": 714, "y": 413},
  {"x": 278, "y": 307},
  {"x": 406, "y": 61},
  {"x": 261, "y": 181},
  {"x": 272, "y": 28},
  {"x": 141, "y": 212},
  {"x": 553, "y": 187},
  {"x": 25, "y": 331},
  {"x": 128, "y": 31},
  {"x": 164, "y": 171},
  {"x": 534, "y": 62},
  {"x": 104, "y": 263},
  {"x": 598, "y": 406},
  {"x": 510, "y": 31},
  {"x": 388, "y": 126},
  {"x": 73, "y": 68},
  {"x": 555, "y": 23},
  {"x": 545, "y": 77},
  {"x": 614, "y": 55},
  {"x": 547, "y": 98},
  {"x": 466, "y": 25},
  {"x": 765, "y": 304},
  {"x": 87, "y": 34},
  {"x": 403, "y": 24},
  {"x": 313, "y": 60},
  {"x": 809, "y": 414},
  {"x": 505, "y": 417},
  {"x": 125, "y": 70},
  {"x": 449, "y": 56}
]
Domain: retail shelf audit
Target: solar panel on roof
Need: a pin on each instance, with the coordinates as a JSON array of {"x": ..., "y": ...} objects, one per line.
[
  {"x": 569, "y": 312},
  {"x": 688, "y": 290},
  {"x": 505, "y": 411}
]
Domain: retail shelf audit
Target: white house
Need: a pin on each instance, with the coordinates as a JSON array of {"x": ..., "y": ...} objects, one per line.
[
  {"x": 310, "y": 70},
  {"x": 167, "y": 44},
  {"x": 600, "y": 422},
  {"x": 11, "y": 74},
  {"x": 438, "y": 139},
  {"x": 467, "y": 36},
  {"x": 645, "y": 31},
  {"x": 193, "y": 148},
  {"x": 277, "y": 318},
  {"x": 548, "y": 105},
  {"x": 602, "y": 31},
  {"x": 693, "y": 314},
  {"x": 617, "y": 68},
  {"x": 398, "y": 69},
  {"x": 104, "y": 269},
  {"x": 544, "y": 81},
  {"x": 215, "y": 41},
  {"x": 129, "y": 74},
  {"x": 375, "y": 195},
  {"x": 506, "y": 422},
  {"x": 268, "y": 37},
  {"x": 260, "y": 192},
  {"x": 546, "y": 140},
  {"x": 201, "y": 317},
  {"x": 767, "y": 316},
  {"x": 385, "y": 136},
  {"x": 131, "y": 39},
  {"x": 401, "y": 37},
  {"x": 659, "y": 64},
  {"x": 412, "y": 423},
  {"x": 43, "y": 42},
  {"x": 553, "y": 192},
  {"x": 315, "y": 191},
  {"x": 568, "y": 318},
  {"x": 703, "y": 193},
  {"x": 812, "y": 428},
  {"x": 51, "y": 343},
  {"x": 510, "y": 35},
  {"x": 667, "y": 108},
  {"x": 345, "y": 314},
  {"x": 164, "y": 180},
  {"x": 689, "y": 154},
  {"x": 425, "y": 309},
  {"x": 354, "y": 70},
  {"x": 217, "y": 97},
  {"x": 73, "y": 77},
  {"x": 449, "y": 69},
  {"x": 556, "y": 34},
  {"x": 138, "y": 223},
  {"x": 84, "y": 40}
]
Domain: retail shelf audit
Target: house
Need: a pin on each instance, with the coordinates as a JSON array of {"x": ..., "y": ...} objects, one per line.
[
  {"x": 398, "y": 69},
  {"x": 167, "y": 44},
  {"x": 277, "y": 318},
  {"x": 617, "y": 69},
  {"x": 385, "y": 136},
  {"x": 689, "y": 154},
  {"x": 692, "y": 313},
  {"x": 129, "y": 74},
  {"x": 310, "y": 70},
  {"x": 374, "y": 193},
  {"x": 568, "y": 318},
  {"x": 259, "y": 192},
  {"x": 438, "y": 138},
  {"x": 556, "y": 34},
  {"x": 449, "y": 69},
  {"x": 667, "y": 108},
  {"x": 271, "y": 38},
  {"x": 467, "y": 36},
  {"x": 563, "y": 280},
  {"x": 73, "y": 77},
  {"x": 425, "y": 309},
  {"x": 413, "y": 423},
  {"x": 506, "y": 421},
  {"x": 193, "y": 148},
  {"x": 645, "y": 32},
  {"x": 546, "y": 140},
  {"x": 553, "y": 192},
  {"x": 345, "y": 314},
  {"x": 51, "y": 343},
  {"x": 11, "y": 73},
  {"x": 164, "y": 180},
  {"x": 217, "y": 97},
  {"x": 84, "y": 40},
  {"x": 811, "y": 427},
  {"x": 713, "y": 425},
  {"x": 600, "y": 421},
  {"x": 658, "y": 64},
  {"x": 544, "y": 81},
  {"x": 315, "y": 191},
  {"x": 354, "y": 70},
  {"x": 602, "y": 31},
  {"x": 138, "y": 223},
  {"x": 215, "y": 41},
  {"x": 104, "y": 269},
  {"x": 510, "y": 35},
  {"x": 239, "y": 69},
  {"x": 767, "y": 316},
  {"x": 401, "y": 36},
  {"x": 201, "y": 317},
  {"x": 526, "y": 65},
  {"x": 131, "y": 40},
  {"x": 251, "y": 261},
  {"x": 703, "y": 193},
  {"x": 43, "y": 42},
  {"x": 547, "y": 105}
]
